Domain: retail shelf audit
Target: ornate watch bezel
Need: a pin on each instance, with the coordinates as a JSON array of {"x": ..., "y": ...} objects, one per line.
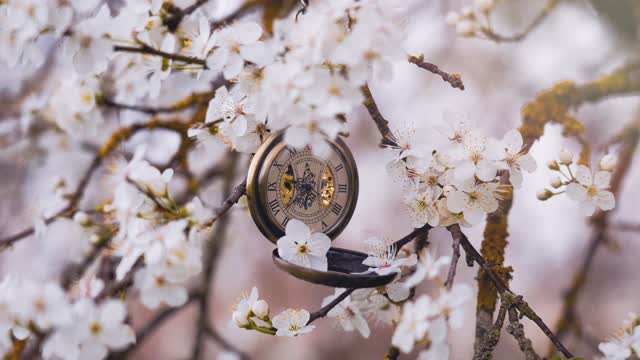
[{"x": 257, "y": 186}]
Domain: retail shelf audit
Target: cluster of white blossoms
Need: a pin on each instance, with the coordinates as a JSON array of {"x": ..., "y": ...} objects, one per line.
[
  {"x": 451, "y": 173},
  {"x": 81, "y": 327},
  {"x": 470, "y": 19},
  {"x": 162, "y": 238},
  {"x": 625, "y": 343},
  {"x": 301, "y": 78},
  {"x": 581, "y": 184},
  {"x": 252, "y": 313}
]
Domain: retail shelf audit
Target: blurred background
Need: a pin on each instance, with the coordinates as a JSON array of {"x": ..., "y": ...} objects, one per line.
[{"x": 578, "y": 41}]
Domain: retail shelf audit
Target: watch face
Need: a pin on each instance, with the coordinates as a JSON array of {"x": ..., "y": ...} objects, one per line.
[{"x": 285, "y": 184}]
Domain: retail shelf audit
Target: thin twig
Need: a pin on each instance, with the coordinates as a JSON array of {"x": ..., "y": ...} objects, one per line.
[
  {"x": 146, "y": 49},
  {"x": 68, "y": 210},
  {"x": 455, "y": 255},
  {"x": 548, "y": 7},
  {"x": 233, "y": 198},
  {"x": 325, "y": 309},
  {"x": 455, "y": 80}
]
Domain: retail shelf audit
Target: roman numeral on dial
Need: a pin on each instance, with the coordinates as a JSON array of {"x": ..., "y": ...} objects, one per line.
[
  {"x": 339, "y": 167},
  {"x": 342, "y": 188},
  {"x": 271, "y": 186},
  {"x": 285, "y": 221},
  {"x": 274, "y": 206},
  {"x": 336, "y": 209}
]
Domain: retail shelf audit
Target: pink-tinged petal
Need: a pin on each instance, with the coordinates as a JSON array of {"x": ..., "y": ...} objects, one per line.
[
  {"x": 515, "y": 177},
  {"x": 456, "y": 201},
  {"x": 512, "y": 141},
  {"x": 257, "y": 53},
  {"x": 494, "y": 150},
  {"x": 118, "y": 337},
  {"x": 360, "y": 323},
  {"x": 486, "y": 170},
  {"x": 397, "y": 291},
  {"x": 234, "y": 66},
  {"x": 239, "y": 125},
  {"x": 602, "y": 179},
  {"x": 465, "y": 171},
  {"x": 177, "y": 297},
  {"x": 297, "y": 137},
  {"x": 527, "y": 163},
  {"x": 606, "y": 200},
  {"x": 218, "y": 59},
  {"x": 583, "y": 175},
  {"x": 587, "y": 208},
  {"x": 576, "y": 192},
  {"x": 319, "y": 244},
  {"x": 297, "y": 230},
  {"x": 286, "y": 247},
  {"x": 318, "y": 262},
  {"x": 247, "y": 32},
  {"x": 473, "y": 215},
  {"x": 112, "y": 313},
  {"x": 168, "y": 44}
]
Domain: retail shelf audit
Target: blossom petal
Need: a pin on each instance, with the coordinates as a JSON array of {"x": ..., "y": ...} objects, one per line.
[
  {"x": 247, "y": 32},
  {"x": 583, "y": 175},
  {"x": 605, "y": 200},
  {"x": 602, "y": 179},
  {"x": 512, "y": 141},
  {"x": 576, "y": 192},
  {"x": 297, "y": 230}
]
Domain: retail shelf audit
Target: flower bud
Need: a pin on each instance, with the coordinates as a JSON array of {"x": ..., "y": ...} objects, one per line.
[
  {"x": 544, "y": 194},
  {"x": 553, "y": 165},
  {"x": 556, "y": 182},
  {"x": 240, "y": 318},
  {"x": 452, "y": 18},
  {"x": 485, "y": 5},
  {"x": 260, "y": 309},
  {"x": 81, "y": 218},
  {"x": 465, "y": 28},
  {"x": 565, "y": 156},
  {"x": 608, "y": 162},
  {"x": 467, "y": 12}
]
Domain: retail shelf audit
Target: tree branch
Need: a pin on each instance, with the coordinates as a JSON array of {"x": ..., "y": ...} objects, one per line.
[
  {"x": 516, "y": 329},
  {"x": 455, "y": 80},
  {"x": 212, "y": 251},
  {"x": 388, "y": 139},
  {"x": 503, "y": 289},
  {"x": 568, "y": 319},
  {"x": 455, "y": 255},
  {"x": 173, "y": 21}
]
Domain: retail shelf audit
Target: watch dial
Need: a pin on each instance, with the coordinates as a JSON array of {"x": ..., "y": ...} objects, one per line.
[{"x": 307, "y": 188}]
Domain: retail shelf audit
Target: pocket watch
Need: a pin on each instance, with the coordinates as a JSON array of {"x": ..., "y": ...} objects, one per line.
[{"x": 285, "y": 184}]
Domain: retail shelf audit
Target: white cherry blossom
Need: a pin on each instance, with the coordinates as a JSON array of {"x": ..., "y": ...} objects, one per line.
[
  {"x": 302, "y": 247},
  {"x": 515, "y": 159},
  {"x": 590, "y": 190},
  {"x": 382, "y": 258},
  {"x": 235, "y": 44},
  {"x": 292, "y": 322},
  {"x": 428, "y": 267},
  {"x": 473, "y": 200},
  {"x": 348, "y": 313}
]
